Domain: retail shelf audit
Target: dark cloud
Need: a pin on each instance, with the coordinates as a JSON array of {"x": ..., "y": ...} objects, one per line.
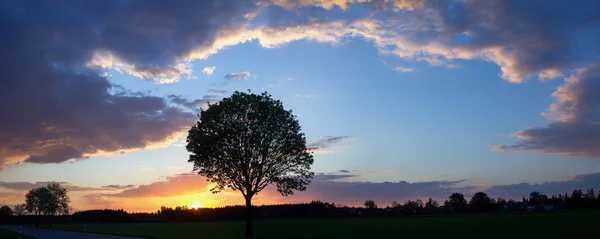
[
  {"x": 26, "y": 186},
  {"x": 517, "y": 191},
  {"x": 119, "y": 186},
  {"x": 344, "y": 171},
  {"x": 541, "y": 37},
  {"x": 326, "y": 142},
  {"x": 213, "y": 96},
  {"x": 577, "y": 111},
  {"x": 329, "y": 188},
  {"x": 56, "y": 103}
]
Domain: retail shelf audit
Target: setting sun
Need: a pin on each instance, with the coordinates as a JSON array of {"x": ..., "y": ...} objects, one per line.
[{"x": 196, "y": 205}]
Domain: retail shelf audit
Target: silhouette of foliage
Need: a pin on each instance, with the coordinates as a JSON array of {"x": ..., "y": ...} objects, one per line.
[
  {"x": 246, "y": 142},
  {"x": 370, "y": 204},
  {"x": 480, "y": 202},
  {"x": 49, "y": 201},
  {"x": 20, "y": 209},
  {"x": 457, "y": 202},
  {"x": 5, "y": 211}
]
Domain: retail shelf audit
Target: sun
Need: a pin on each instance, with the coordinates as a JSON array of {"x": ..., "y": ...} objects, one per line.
[{"x": 196, "y": 205}]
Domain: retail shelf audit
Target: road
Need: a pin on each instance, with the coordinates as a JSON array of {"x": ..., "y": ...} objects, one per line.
[{"x": 56, "y": 234}]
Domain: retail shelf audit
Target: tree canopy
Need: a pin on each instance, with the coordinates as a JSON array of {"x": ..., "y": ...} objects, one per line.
[
  {"x": 248, "y": 141},
  {"x": 5, "y": 211},
  {"x": 20, "y": 209},
  {"x": 49, "y": 200}
]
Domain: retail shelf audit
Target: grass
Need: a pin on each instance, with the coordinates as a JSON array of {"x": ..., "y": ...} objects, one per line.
[
  {"x": 547, "y": 225},
  {"x": 6, "y": 234}
]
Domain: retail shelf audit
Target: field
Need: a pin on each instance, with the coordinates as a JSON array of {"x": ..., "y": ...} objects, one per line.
[
  {"x": 6, "y": 234},
  {"x": 548, "y": 225}
]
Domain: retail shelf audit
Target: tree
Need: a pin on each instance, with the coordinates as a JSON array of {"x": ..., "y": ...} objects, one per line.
[
  {"x": 431, "y": 203},
  {"x": 537, "y": 199},
  {"x": 590, "y": 194},
  {"x": 246, "y": 142},
  {"x": 20, "y": 209},
  {"x": 5, "y": 211},
  {"x": 58, "y": 201},
  {"x": 480, "y": 202},
  {"x": 35, "y": 200},
  {"x": 395, "y": 204},
  {"x": 50, "y": 200},
  {"x": 457, "y": 202},
  {"x": 370, "y": 204}
]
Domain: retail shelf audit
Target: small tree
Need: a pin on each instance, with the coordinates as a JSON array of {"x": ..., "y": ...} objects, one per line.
[
  {"x": 395, "y": 204},
  {"x": 431, "y": 203},
  {"x": 35, "y": 200},
  {"x": 370, "y": 204},
  {"x": 5, "y": 211},
  {"x": 480, "y": 202},
  {"x": 247, "y": 142},
  {"x": 20, "y": 209},
  {"x": 50, "y": 200},
  {"x": 457, "y": 202}
]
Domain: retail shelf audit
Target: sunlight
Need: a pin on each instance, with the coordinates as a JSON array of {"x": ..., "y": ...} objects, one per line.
[{"x": 196, "y": 205}]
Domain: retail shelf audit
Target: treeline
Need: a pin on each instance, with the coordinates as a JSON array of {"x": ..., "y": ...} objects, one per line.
[{"x": 456, "y": 203}]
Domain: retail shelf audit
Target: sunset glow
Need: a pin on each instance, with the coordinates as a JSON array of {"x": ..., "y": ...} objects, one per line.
[
  {"x": 196, "y": 205},
  {"x": 397, "y": 100}
]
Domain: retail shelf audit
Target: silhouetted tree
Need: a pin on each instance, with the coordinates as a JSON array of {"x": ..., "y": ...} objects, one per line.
[
  {"x": 20, "y": 209},
  {"x": 431, "y": 203},
  {"x": 590, "y": 194},
  {"x": 36, "y": 199},
  {"x": 537, "y": 199},
  {"x": 246, "y": 142},
  {"x": 480, "y": 202},
  {"x": 395, "y": 204},
  {"x": 50, "y": 200},
  {"x": 457, "y": 202},
  {"x": 410, "y": 207},
  {"x": 5, "y": 211},
  {"x": 576, "y": 200},
  {"x": 370, "y": 204}
]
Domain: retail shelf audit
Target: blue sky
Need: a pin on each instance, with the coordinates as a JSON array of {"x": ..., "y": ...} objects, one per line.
[{"x": 413, "y": 98}]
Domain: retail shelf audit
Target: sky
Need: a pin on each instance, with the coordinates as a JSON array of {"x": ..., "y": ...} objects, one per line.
[{"x": 405, "y": 99}]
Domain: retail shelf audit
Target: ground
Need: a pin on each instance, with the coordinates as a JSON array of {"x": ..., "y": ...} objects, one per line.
[
  {"x": 545, "y": 225},
  {"x": 6, "y": 234}
]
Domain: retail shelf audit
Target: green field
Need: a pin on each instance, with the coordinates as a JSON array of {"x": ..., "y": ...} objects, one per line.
[
  {"x": 6, "y": 234},
  {"x": 548, "y": 225}
]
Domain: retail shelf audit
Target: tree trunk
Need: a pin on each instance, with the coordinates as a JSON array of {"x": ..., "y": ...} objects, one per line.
[{"x": 249, "y": 230}]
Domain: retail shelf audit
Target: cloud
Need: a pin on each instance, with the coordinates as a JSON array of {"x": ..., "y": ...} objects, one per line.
[
  {"x": 324, "y": 187},
  {"x": 61, "y": 105},
  {"x": 119, "y": 186},
  {"x": 517, "y": 191},
  {"x": 404, "y": 69},
  {"x": 342, "y": 188},
  {"x": 237, "y": 76},
  {"x": 323, "y": 144},
  {"x": 442, "y": 31},
  {"x": 26, "y": 186},
  {"x": 213, "y": 96},
  {"x": 575, "y": 128},
  {"x": 209, "y": 70},
  {"x": 344, "y": 4},
  {"x": 179, "y": 184},
  {"x": 329, "y": 188}
]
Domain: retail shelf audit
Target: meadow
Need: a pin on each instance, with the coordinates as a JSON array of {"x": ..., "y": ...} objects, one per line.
[
  {"x": 546, "y": 225},
  {"x": 6, "y": 234}
]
